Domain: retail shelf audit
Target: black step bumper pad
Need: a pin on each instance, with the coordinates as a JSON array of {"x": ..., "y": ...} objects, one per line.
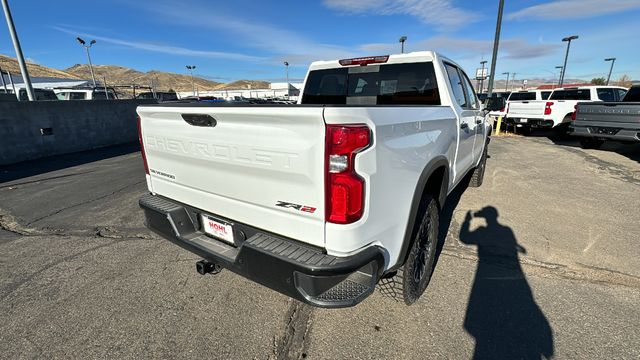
[{"x": 292, "y": 268}]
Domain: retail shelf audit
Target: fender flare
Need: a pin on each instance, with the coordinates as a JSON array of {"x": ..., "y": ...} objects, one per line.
[{"x": 432, "y": 166}]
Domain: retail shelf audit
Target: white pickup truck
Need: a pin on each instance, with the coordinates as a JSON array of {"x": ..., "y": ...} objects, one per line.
[
  {"x": 323, "y": 199},
  {"x": 557, "y": 110}
]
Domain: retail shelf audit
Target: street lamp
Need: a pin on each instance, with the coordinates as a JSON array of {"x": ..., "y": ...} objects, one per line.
[
  {"x": 483, "y": 62},
  {"x": 84, "y": 45},
  {"x": 496, "y": 44},
  {"x": 506, "y": 87},
  {"x": 286, "y": 66},
  {"x": 193, "y": 86},
  {"x": 560, "y": 68},
  {"x": 613, "y": 61},
  {"x": 568, "y": 40},
  {"x": 402, "y": 40}
]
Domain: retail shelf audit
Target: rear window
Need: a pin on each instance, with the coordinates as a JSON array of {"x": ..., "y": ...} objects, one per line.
[
  {"x": 393, "y": 84},
  {"x": 522, "y": 96},
  {"x": 633, "y": 95},
  {"x": 572, "y": 94},
  {"x": 545, "y": 95}
]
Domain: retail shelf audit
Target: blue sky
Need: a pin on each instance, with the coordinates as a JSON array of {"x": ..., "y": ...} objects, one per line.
[{"x": 229, "y": 40}]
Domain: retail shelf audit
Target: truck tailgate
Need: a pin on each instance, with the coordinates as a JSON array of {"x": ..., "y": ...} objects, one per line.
[
  {"x": 624, "y": 115},
  {"x": 526, "y": 109},
  {"x": 242, "y": 164}
]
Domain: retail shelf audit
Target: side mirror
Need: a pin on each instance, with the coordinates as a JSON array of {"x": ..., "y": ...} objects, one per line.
[{"x": 495, "y": 104}]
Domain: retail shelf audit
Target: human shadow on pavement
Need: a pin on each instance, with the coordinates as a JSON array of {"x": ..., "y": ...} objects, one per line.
[{"x": 502, "y": 314}]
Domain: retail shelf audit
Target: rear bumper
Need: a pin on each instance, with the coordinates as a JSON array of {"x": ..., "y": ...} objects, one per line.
[
  {"x": 534, "y": 123},
  {"x": 604, "y": 132},
  {"x": 297, "y": 270}
]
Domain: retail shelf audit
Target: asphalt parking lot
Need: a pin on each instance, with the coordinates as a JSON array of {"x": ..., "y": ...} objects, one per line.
[{"x": 541, "y": 261}]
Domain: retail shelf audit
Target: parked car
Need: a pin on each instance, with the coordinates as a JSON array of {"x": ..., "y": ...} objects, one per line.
[
  {"x": 323, "y": 199},
  {"x": 597, "y": 122},
  {"x": 91, "y": 93},
  {"x": 556, "y": 111}
]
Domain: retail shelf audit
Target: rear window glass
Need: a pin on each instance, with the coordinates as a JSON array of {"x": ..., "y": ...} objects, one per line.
[
  {"x": 545, "y": 95},
  {"x": 393, "y": 84},
  {"x": 522, "y": 96},
  {"x": 572, "y": 94},
  {"x": 633, "y": 95}
]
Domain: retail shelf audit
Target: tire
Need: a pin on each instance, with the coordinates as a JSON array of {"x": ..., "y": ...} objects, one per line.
[
  {"x": 590, "y": 143},
  {"x": 478, "y": 173},
  {"x": 412, "y": 279},
  {"x": 561, "y": 130}
]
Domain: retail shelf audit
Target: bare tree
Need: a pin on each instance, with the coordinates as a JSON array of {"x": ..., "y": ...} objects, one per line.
[{"x": 624, "y": 81}]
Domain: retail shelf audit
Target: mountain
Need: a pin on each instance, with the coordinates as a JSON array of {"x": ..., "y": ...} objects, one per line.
[
  {"x": 119, "y": 75},
  {"x": 10, "y": 64},
  {"x": 244, "y": 84}
]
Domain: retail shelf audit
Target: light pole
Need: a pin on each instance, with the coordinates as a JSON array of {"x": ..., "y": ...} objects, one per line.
[
  {"x": 193, "y": 86},
  {"x": 84, "y": 45},
  {"x": 16, "y": 45},
  {"x": 286, "y": 66},
  {"x": 496, "y": 44},
  {"x": 483, "y": 62},
  {"x": 506, "y": 87},
  {"x": 613, "y": 61},
  {"x": 402, "y": 40},
  {"x": 568, "y": 39},
  {"x": 559, "y": 68}
]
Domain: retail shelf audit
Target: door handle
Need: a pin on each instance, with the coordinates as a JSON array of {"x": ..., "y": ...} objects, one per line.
[{"x": 464, "y": 126}]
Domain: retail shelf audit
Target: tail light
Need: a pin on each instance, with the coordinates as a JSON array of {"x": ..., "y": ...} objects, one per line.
[
  {"x": 574, "y": 113},
  {"x": 344, "y": 187},
  {"x": 547, "y": 108},
  {"x": 144, "y": 156},
  {"x": 364, "y": 61}
]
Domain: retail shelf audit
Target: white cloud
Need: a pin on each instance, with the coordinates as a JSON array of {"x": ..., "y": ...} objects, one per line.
[
  {"x": 515, "y": 48},
  {"x": 282, "y": 43},
  {"x": 573, "y": 9},
  {"x": 159, "y": 48},
  {"x": 441, "y": 13}
]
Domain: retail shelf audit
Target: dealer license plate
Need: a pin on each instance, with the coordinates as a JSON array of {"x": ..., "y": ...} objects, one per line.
[
  {"x": 217, "y": 229},
  {"x": 524, "y": 120}
]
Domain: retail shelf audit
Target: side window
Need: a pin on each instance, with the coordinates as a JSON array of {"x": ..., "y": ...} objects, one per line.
[
  {"x": 621, "y": 94},
  {"x": 606, "y": 95},
  {"x": 545, "y": 95},
  {"x": 456, "y": 85},
  {"x": 77, "y": 96},
  {"x": 472, "y": 99}
]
